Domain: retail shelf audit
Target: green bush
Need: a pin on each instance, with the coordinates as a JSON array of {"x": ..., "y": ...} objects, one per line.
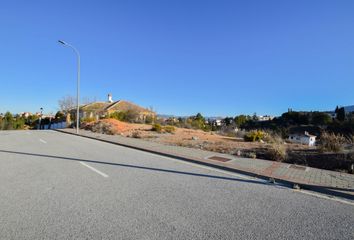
[
  {"x": 254, "y": 135},
  {"x": 157, "y": 127},
  {"x": 118, "y": 116},
  {"x": 169, "y": 129},
  {"x": 7, "y": 122},
  {"x": 60, "y": 115},
  {"x": 88, "y": 120},
  {"x": 149, "y": 119}
]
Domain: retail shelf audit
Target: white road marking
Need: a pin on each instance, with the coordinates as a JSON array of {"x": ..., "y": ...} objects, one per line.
[
  {"x": 95, "y": 170},
  {"x": 41, "y": 140}
]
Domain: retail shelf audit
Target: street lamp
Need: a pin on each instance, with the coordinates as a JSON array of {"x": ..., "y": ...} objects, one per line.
[
  {"x": 78, "y": 82},
  {"x": 40, "y": 118}
]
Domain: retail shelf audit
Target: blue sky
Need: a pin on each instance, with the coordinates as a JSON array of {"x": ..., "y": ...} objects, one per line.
[{"x": 181, "y": 57}]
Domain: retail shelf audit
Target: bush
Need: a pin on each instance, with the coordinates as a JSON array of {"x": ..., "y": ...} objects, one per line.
[
  {"x": 251, "y": 155},
  {"x": 271, "y": 137},
  {"x": 118, "y": 116},
  {"x": 169, "y": 129},
  {"x": 254, "y": 135},
  {"x": 88, "y": 120},
  {"x": 331, "y": 142},
  {"x": 277, "y": 152},
  {"x": 105, "y": 128},
  {"x": 136, "y": 134},
  {"x": 131, "y": 116},
  {"x": 157, "y": 128},
  {"x": 149, "y": 119}
]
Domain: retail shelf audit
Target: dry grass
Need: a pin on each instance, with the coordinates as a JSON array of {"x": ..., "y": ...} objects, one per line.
[
  {"x": 331, "y": 142},
  {"x": 277, "y": 152},
  {"x": 192, "y": 138}
]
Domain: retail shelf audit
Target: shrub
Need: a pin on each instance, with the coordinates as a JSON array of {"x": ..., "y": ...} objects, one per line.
[
  {"x": 277, "y": 152},
  {"x": 331, "y": 142},
  {"x": 88, "y": 120},
  {"x": 118, "y": 116},
  {"x": 169, "y": 129},
  {"x": 254, "y": 135},
  {"x": 157, "y": 127},
  {"x": 251, "y": 155},
  {"x": 149, "y": 119},
  {"x": 136, "y": 134},
  {"x": 7, "y": 123},
  {"x": 271, "y": 137},
  {"x": 131, "y": 116},
  {"x": 105, "y": 128}
]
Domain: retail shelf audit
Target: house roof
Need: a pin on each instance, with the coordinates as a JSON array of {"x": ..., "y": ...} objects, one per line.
[
  {"x": 306, "y": 134},
  {"x": 120, "y": 105}
]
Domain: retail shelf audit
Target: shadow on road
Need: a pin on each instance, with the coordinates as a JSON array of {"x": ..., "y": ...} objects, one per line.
[{"x": 137, "y": 167}]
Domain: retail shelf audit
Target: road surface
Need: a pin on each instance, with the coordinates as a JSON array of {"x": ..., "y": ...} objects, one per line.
[{"x": 58, "y": 186}]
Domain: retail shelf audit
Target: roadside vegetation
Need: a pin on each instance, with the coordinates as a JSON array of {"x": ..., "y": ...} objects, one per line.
[{"x": 11, "y": 122}]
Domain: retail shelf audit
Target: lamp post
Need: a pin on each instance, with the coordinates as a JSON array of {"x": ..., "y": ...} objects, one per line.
[
  {"x": 78, "y": 82},
  {"x": 40, "y": 119}
]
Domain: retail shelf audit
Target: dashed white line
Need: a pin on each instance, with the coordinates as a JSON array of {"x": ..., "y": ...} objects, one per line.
[
  {"x": 42, "y": 141},
  {"x": 95, "y": 170}
]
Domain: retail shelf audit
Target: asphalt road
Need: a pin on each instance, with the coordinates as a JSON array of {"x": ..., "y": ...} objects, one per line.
[{"x": 58, "y": 186}]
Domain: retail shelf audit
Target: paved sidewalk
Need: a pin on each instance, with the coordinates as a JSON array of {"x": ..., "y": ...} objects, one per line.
[{"x": 329, "y": 182}]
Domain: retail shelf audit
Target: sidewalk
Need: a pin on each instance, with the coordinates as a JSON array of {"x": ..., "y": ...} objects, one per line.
[{"x": 324, "y": 181}]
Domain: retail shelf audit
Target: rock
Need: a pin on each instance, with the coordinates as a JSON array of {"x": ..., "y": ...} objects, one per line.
[{"x": 195, "y": 138}]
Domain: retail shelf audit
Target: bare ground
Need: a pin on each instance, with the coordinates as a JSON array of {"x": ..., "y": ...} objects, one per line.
[{"x": 190, "y": 138}]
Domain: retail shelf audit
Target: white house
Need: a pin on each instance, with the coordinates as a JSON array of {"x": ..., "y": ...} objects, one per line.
[
  {"x": 265, "y": 118},
  {"x": 303, "y": 138}
]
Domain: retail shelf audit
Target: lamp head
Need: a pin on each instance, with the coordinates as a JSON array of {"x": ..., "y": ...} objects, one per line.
[{"x": 62, "y": 42}]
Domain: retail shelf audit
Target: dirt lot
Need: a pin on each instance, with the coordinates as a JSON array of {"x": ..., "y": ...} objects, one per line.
[
  {"x": 211, "y": 141},
  {"x": 190, "y": 138}
]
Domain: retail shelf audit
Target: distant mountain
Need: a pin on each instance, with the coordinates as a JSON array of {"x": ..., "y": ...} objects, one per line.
[
  {"x": 349, "y": 109},
  {"x": 171, "y": 116}
]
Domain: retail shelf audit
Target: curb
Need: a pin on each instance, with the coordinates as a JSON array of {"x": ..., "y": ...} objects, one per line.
[{"x": 209, "y": 163}]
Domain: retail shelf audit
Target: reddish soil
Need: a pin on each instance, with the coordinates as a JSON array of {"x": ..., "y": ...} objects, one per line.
[{"x": 189, "y": 138}]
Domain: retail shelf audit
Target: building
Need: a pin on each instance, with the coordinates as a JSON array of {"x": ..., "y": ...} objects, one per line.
[
  {"x": 264, "y": 118},
  {"x": 103, "y": 109},
  {"x": 302, "y": 138}
]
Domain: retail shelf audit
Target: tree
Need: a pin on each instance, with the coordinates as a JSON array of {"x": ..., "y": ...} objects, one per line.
[
  {"x": 198, "y": 121},
  {"x": 67, "y": 103},
  {"x": 240, "y": 120},
  {"x": 341, "y": 114},
  {"x": 19, "y": 123},
  {"x": 337, "y": 108},
  {"x": 59, "y": 115},
  {"x": 228, "y": 121},
  {"x": 8, "y": 121},
  {"x": 320, "y": 118},
  {"x": 199, "y": 117}
]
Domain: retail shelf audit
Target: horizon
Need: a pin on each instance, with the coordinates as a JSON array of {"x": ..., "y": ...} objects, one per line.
[{"x": 220, "y": 59}]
